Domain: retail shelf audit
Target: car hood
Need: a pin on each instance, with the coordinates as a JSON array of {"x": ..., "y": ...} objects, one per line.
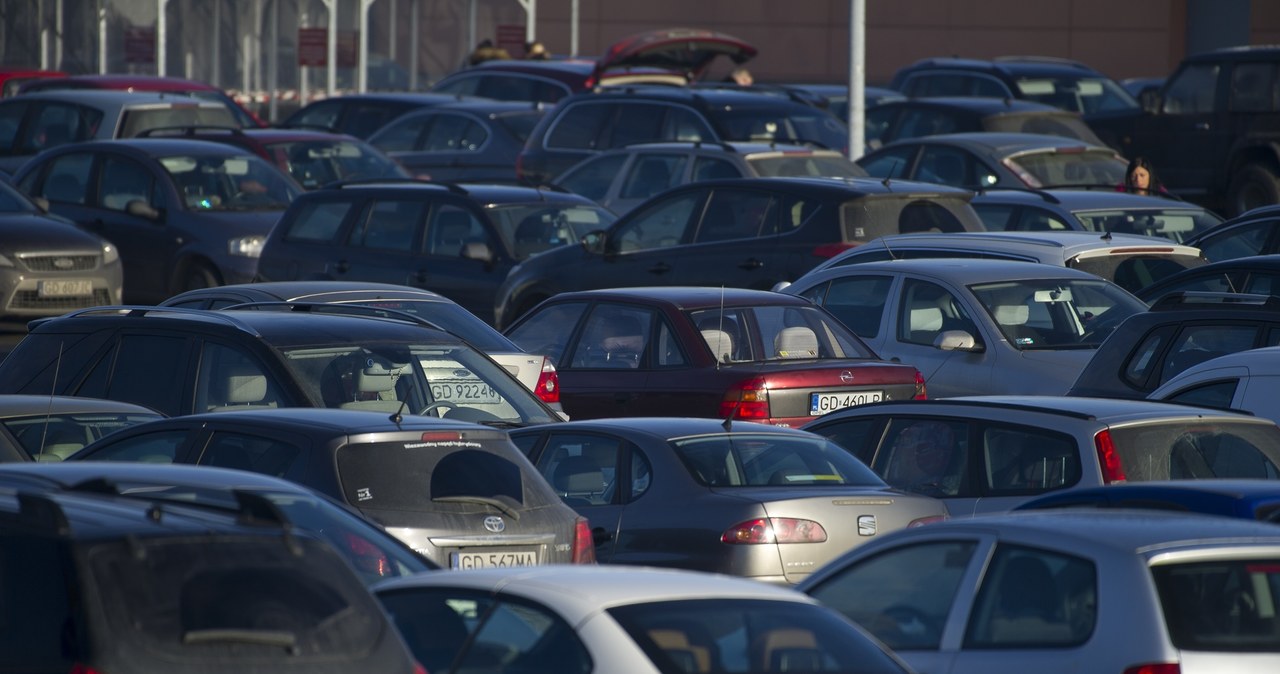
[
  {"x": 27, "y": 231},
  {"x": 687, "y": 50},
  {"x": 236, "y": 223}
]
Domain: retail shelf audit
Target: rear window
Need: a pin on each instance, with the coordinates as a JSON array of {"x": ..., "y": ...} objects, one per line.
[
  {"x": 870, "y": 217},
  {"x": 805, "y": 164},
  {"x": 1173, "y": 224},
  {"x": 60, "y": 435},
  {"x": 137, "y": 121},
  {"x": 1198, "y": 449},
  {"x": 1064, "y": 125},
  {"x": 1135, "y": 272},
  {"x": 1222, "y": 606},
  {"x": 760, "y": 459},
  {"x": 1055, "y": 169}
]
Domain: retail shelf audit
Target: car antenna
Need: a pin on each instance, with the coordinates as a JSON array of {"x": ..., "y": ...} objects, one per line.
[
  {"x": 1106, "y": 235},
  {"x": 884, "y": 241},
  {"x": 53, "y": 391},
  {"x": 397, "y": 416},
  {"x": 720, "y": 328}
]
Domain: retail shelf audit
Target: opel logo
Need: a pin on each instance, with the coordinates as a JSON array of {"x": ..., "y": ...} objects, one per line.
[
  {"x": 846, "y": 377},
  {"x": 63, "y": 262},
  {"x": 495, "y": 524}
]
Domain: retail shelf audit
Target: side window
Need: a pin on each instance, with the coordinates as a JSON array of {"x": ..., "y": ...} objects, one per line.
[
  {"x": 1145, "y": 358},
  {"x": 131, "y": 375},
  {"x": 995, "y": 217},
  {"x": 159, "y": 447},
  {"x": 548, "y": 331},
  {"x": 391, "y": 225},
  {"x": 1038, "y": 220},
  {"x": 1260, "y": 283},
  {"x": 711, "y": 168},
  {"x": 892, "y": 163},
  {"x": 317, "y": 221},
  {"x": 594, "y": 178},
  {"x": 858, "y": 435},
  {"x": 944, "y": 165},
  {"x": 1241, "y": 241},
  {"x": 924, "y": 122},
  {"x": 684, "y": 125},
  {"x": 463, "y": 85},
  {"x": 634, "y": 123},
  {"x": 67, "y": 179},
  {"x": 11, "y": 114},
  {"x": 451, "y": 229},
  {"x": 1196, "y": 344},
  {"x": 661, "y": 225},
  {"x": 232, "y": 380},
  {"x": 250, "y": 452},
  {"x": 859, "y": 302},
  {"x": 902, "y": 596},
  {"x": 927, "y": 310},
  {"x": 926, "y": 456},
  {"x": 58, "y": 124},
  {"x": 1192, "y": 91},
  {"x": 1253, "y": 88},
  {"x": 402, "y": 135},
  {"x": 322, "y": 115},
  {"x": 1033, "y": 598},
  {"x": 1024, "y": 460},
  {"x": 123, "y": 181},
  {"x": 1218, "y": 283},
  {"x": 579, "y": 127},
  {"x": 651, "y": 174},
  {"x": 362, "y": 120},
  {"x": 614, "y": 337},
  {"x": 453, "y": 133},
  {"x": 668, "y": 352},
  {"x": 581, "y": 468},
  {"x": 878, "y": 121},
  {"x": 737, "y": 214},
  {"x": 1217, "y": 394}
]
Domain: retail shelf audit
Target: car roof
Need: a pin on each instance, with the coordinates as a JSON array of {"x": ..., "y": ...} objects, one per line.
[
  {"x": 1233, "y": 487},
  {"x": 1237, "y": 53},
  {"x": 963, "y": 271},
  {"x": 850, "y": 188},
  {"x": 160, "y": 147},
  {"x": 743, "y": 148},
  {"x": 663, "y": 428},
  {"x": 1063, "y": 244},
  {"x": 315, "y": 291},
  {"x": 1013, "y": 65},
  {"x": 337, "y": 421},
  {"x": 484, "y": 193},
  {"x": 1108, "y": 411},
  {"x": 390, "y": 96},
  {"x": 12, "y": 405},
  {"x": 1003, "y": 143},
  {"x": 985, "y": 105},
  {"x": 686, "y": 297},
  {"x": 481, "y": 106},
  {"x": 116, "y": 96},
  {"x": 126, "y": 82},
  {"x": 70, "y": 473},
  {"x": 1083, "y": 199}
]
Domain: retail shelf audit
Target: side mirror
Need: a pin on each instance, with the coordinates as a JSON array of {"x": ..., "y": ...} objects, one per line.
[
  {"x": 957, "y": 340},
  {"x": 141, "y": 209},
  {"x": 478, "y": 250},
  {"x": 594, "y": 242},
  {"x": 1150, "y": 100},
  {"x": 41, "y": 203}
]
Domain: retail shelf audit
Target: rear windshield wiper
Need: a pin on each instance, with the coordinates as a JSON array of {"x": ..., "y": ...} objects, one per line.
[
  {"x": 484, "y": 500},
  {"x": 285, "y": 640}
]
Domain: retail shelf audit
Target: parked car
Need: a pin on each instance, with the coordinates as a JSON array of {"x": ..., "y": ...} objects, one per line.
[
  {"x": 1180, "y": 330},
  {"x": 1246, "y": 499},
  {"x": 835, "y": 97},
  {"x": 1093, "y": 211},
  {"x": 916, "y": 117},
  {"x": 48, "y": 265},
  {"x": 50, "y": 428},
  {"x": 373, "y": 553},
  {"x": 1253, "y": 275},
  {"x": 747, "y": 500},
  {"x": 458, "y": 493},
  {"x": 1066, "y": 590},
  {"x": 624, "y": 620},
  {"x": 12, "y": 79},
  {"x": 984, "y": 160},
  {"x": 126, "y": 585},
  {"x": 623, "y": 178},
  {"x": 138, "y": 83},
  {"x": 990, "y": 453},
  {"x": 183, "y": 213},
  {"x": 744, "y": 233},
  {"x": 586, "y": 123},
  {"x": 360, "y": 115},
  {"x": 1252, "y": 233},
  {"x": 312, "y": 158},
  {"x": 1130, "y": 261},
  {"x": 473, "y": 141},
  {"x": 705, "y": 352},
  {"x": 535, "y": 371},
  {"x": 458, "y": 240},
  {"x": 1246, "y": 380},
  {"x": 31, "y": 123},
  {"x": 185, "y": 361},
  {"x": 975, "y": 326}
]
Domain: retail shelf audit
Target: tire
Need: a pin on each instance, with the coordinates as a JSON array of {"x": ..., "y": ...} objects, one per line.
[
  {"x": 195, "y": 275},
  {"x": 1255, "y": 185}
]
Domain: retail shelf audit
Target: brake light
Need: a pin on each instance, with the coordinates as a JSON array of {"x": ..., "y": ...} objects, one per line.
[
  {"x": 584, "y": 548},
  {"x": 441, "y": 436},
  {"x": 418, "y": 668},
  {"x": 922, "y": 392},
  {"x": 548, "y": 388},
  {"x": 520, "y": 167},
  {"x": 1108, "y": 459},
  {"x": 78, "y": 668},
  {"x": 368, "y": 558},
  {"x": 774, "y": 530},
  {"x": 932, "y": 519},
  {"x": 1154, "y": 668},
  {"x": 827, "y": 250},
  {"x": 748, "y": 399}
]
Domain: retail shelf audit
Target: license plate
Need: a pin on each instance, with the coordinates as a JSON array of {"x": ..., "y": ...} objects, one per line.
[
  {"x": 492, "y": 560},
  {"x": 822, "y": 403},
  {"x": 64, "y": 288},
  {"x": 465, "y": 392}
]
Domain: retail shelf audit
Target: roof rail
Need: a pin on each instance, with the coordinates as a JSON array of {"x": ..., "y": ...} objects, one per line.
[
  {"x": 362, "y": 310},
  {"x": 1191, "y": 299},
  {"x": 133, "y": 310},
  {"x": 251, "y": 507},
  {"x": 1042, "y": 59},
  {"x": 985, "y": 403},
  {"x": 189, "y": 131},
  {"x": 361, "y": 182}
]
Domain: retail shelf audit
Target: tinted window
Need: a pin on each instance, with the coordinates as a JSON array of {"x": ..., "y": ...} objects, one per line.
[
  {"x": 1196, "y": 344},
  {"x": 1026, "y": 460},
  {"x": 858, "y": 435},
  {"x": 890, "y": 163},
  {"x": 926, "y": 456},
  {"x": 317, "y": 221},
  {"x": 859, "y": 302},
  {"x": 545, "y": 332},
  {"x": 1221, "y": 606},
  {"x": 452, "y": 228},
  {"x": 652, "y": 173},
  {"x": 737, "y": 214},
  {"x": 1253, "y": 88},
  {"x": 454, "y": 133},
  {"x": 581, "y": 468},
  {"x": 1192, "y": 90},
  {"x": 132, "y": 376},
  {"x": 390, "y": 225},
  {"x": 593, "y": 177},
  {"x": 158, "y": 447},
  {"x": 11, "y": 114},
  {"x": 659, "y": 225},
  {"x": 1032, "y": 598},
  {"x": 37, "y": 610},
  {"x": 1145, "y": 358},
  {"x": 745, "y": 459},
  {"x": 67, "y": 179},
  {"x": 634, "y": 123},
  {"x": 1217, "y": 394},
  {"x": 255, "y": 453},
  {"x": 60, "y": 123},
  {"x": 1194, "y": 450},
  {"x": 123, "y": 181},
  {"x": 710, "y": 168},
  {"x": 402, "y": 135},
  {"x": 579, "y": 127},
  {"x": 1242, "y": 241}
]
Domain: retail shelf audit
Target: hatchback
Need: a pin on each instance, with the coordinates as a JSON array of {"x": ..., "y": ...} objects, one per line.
[
  {"x": 1065, "y": 591},
  {"x": 138, "y": 83},
  {"x": 51, "y": 427},
  {"x": 184, "y": 213},
  {"x": 743, "y": 498},
  {"x": 986, "y": 453},
  {"x": 1252, "y": 275},
  {"x": 458, "y": 493},
  {"x": 131, "y": 585},
  {"x": 1247, "y": 499},
  {"x": 912, "y": 118},
  {"x": 360, "y": 115},
  {"x": 706, "y": 352},
  {"x": 1102, "y": 211},
  {"x": 1246, "y": 380},
  {"x": 975, "y": 326},
  {"x": 616, "y": 620}
]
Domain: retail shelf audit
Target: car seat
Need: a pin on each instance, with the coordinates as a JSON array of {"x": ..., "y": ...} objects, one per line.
[
  {"x": 796, "y": 342},
  {"x": 244, "y": 388},
  {"x": 452, "y": 228},
  {"x": 720, "y": 343}
]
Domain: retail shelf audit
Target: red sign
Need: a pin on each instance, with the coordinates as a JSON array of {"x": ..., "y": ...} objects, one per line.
[
  {"x": 313, "y": 46},
  {"x": 511, "y": 38},
  {"x": 139, "y": 45}
]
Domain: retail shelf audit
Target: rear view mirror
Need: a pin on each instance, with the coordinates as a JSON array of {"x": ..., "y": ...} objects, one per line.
[
  {"x": 1052, "y": 296},
  {"x": 593, "y": 242}
]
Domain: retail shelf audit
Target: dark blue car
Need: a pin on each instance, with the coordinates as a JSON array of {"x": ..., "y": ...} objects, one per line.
[{"x": 1249, "y": 499}]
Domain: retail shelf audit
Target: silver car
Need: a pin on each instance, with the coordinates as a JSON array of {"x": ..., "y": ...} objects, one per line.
[
  {"x": 972, "y": 326},
  {"x": 1069, "y": 591}
]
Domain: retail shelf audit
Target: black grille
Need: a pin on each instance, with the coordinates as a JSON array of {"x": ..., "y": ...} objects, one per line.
[
  {"x": 46, "y": 262},
  {"x": 30, "y": 300}
]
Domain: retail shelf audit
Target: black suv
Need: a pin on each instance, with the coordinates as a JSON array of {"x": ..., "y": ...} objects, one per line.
[
  {"x": 456, "y": 240},
  {"x": 586, "y": 123},
  {"x": 94, "y": 582},
  {"x": 917, "y": 117},
  {"x": 1181, "y": 330},
  {"x": 183, "y": 361}
]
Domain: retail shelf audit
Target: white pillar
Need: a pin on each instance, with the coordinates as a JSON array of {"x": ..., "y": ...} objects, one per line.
[
  {"x": 332, "y": 59},
  {"x": 215, "y": 77},
  {"x": 391, "y": 23},
  {"x": 857, "y": 77},
  {"x": 303, "y": 72},
  {"x": 44, "y": 36},
  {"x": 102, "y": 37},
  {"x": 472, "y": 40},
  {"x": 161, "y": 36},
  {"x": 531, "y": 19},
  {"x": 273, "y": 67},
  {"x": 414, "y": 20},
  {"x": 574, "y": 18},
  {"x": 362, "y": 57}
]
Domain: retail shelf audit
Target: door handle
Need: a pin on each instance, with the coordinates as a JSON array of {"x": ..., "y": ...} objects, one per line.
[
  {"x": 1201, "y": 126},
  {"x": 621, "y": 398},
  {"x": 895, "y": 359},
  {"x": 751, "y": 263},
  {"x": 341, "y": 266},
  {"x": 660, "y": 268}
]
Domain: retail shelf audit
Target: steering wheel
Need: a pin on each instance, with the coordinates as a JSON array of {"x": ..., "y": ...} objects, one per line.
[{"x": 439, "y": 404}]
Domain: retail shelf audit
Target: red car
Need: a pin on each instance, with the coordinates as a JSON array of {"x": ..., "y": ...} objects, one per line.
[
  {"x": 706, "y": 352},
  {"x": 12, "y": 79},
  {"x": 193, "y": 88}
]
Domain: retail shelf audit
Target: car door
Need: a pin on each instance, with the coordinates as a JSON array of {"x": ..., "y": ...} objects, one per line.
[
  {"x": 586, "y": 471},
  {"x": 606, "y": 370},
  {"x": 147, "y": 244},
  {"x": 382, "y": 243},
  {"x": 643, "y": 249},
  {"x": 1190, "y": 110},
  {"x": 167, "y": 445},
  {"x": 734, "y": 242},
  {"x": 461, "y": 258}
]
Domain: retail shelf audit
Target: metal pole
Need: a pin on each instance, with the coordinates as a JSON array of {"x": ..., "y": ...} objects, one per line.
[
  {"x": 273, "y": 68},
  {"x": 391, "y": 41},
  {"x": 58, "y": 22},
  {"x": 471, "y": 29},
  {"x": 216, "y": 77},
  {"x": 44, "y": 36},
  {"x": 573, "y": 29},
  {"x": 857, "y": 77},
  {"x": 362, "y": 57},
  {"x": 303, "y": 72},
  {"x": 161, "y": 36},
  {"x": 414, "y": 18},
  {"x": 332, "y": 60},
  {"x": 531, "y": 19},
  {"x": 102, "y": 37}
]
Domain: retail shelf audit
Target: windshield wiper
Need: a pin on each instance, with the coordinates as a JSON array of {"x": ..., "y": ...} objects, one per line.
[
  {"x": 285, "y": 640},
  {"x": 483, "y": 500}
]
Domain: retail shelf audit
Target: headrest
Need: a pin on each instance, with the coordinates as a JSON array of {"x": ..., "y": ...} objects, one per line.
[
  {"x": 1013, "y": 314},
  {"x": 246, "y": 388}
]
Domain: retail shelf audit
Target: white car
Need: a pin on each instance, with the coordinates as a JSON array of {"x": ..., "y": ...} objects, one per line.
[
  {"x": 1069, "y": 591},
  {"x": 1244, "y": 380},
  {"x": 560, "y": 619}
]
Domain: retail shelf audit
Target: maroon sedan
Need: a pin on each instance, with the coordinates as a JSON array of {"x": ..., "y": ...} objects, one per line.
[{"x": 706, "y": 352}]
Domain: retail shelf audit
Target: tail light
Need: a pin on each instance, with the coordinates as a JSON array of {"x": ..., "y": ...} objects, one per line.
[
  {"x": 1154, "y": 668},
  {"x": 78, "y": 668},
  {"x": 418, "y": 668},
  {"x": 548, "y": 388},
  {"x": 368, "y": 558},
  {"x": 827, "y": 250},
  {"x": 520, "y": 167},
  {"x": 584, "y": 548},
  {"x": 774, "y": 530},
  {"x": 1108, "y": 459},
  {"x": 932, "y": 519},
  {"x": 922, "y": 392},
  {"x": 748, "y": 399}
]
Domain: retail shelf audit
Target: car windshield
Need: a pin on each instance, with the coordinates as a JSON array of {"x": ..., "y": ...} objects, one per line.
[
  {"x": 1065, "y": 167},
  {"x": 1083, "y": 95},
  {"x": 784, "y": 333},
  {"x": 786, "y": 125},
  {"x": 228, "y": 183},
  {"x": 1056, "y": 313},
  {"x": 318, "y": 162},
  {"x": 52, "y": 437},
  {"x": 529, "y": 229},
  {"x": 450, "y": 380},
  {"x": 1176, "y": 224},
  {"x": 804, "y": 164},
  {"x": 450, "y": 317},
  {"x": 747, "y": 459},
  {"x": 520, "y": 124}
]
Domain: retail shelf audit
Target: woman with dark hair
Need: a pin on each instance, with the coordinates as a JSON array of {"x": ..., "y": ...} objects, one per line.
[{"x": 1140, "y": 178}]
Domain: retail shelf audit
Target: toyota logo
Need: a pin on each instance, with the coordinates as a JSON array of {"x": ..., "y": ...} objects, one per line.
[
  {"x": 63, "y": 262},
  {"x": 495, "y": 524},
  {"x": 846, "y": 377}
]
